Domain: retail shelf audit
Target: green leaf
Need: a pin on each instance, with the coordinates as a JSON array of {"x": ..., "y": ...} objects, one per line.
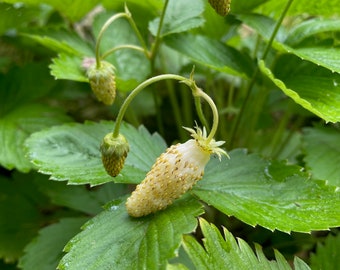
[
  {"x": 245, "y": 5},
  {"x": 268, "y": 193},
  {"x": 311, "y": 7},
  {"x": 20, "y": 116},
  {"x": 114, "y": 240},
  {"x": 211, "y": 53},
  {"x": 132, "y": 67},
  {"x": 180, "y": 16},
  {"x": 322, "y": 154},
  {"x": 79, "y": 198},
  {"x": 311, "y": 27},
  {"x": 327, "y": 57},
  {"x": 74, "y": 197},
  {"x": 61, "y": 40},
  {"x": 177, "y": 266},
  {"x": 62, "y": 151},
  {"x": 226, "y": 253},
  {"x": 71, "y": 48},
  {"x": 18, "y": 86},
  {"x": 20, "y": 217},
  {"x": 312, "y": 87},
  {"x": 73, "y": 9},
  {"x": 17, "y": 125},
  {"x": 262, "y": 24},
  {"x": 152, "y": 5},
  {"x": 68, "y": 67},
  {"x": 17, "y": 16},
  {"x": 327, "y": 255},
  {"x": 45, "y": 251}
]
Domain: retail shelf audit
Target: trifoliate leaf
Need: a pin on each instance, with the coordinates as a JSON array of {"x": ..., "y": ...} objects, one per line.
[
  {"x": 314, "y": 88},
  {"x": 323, "y": 154},
  {"x": 45, "y": 251},
  {"x": 114, "y": 240},
  {"x": 71, "y": 152},
  {"x": 224, "y": 252},
  {"x": 180, "y": 16},
  {"x": 269, "y": 193},
  {"x": 327, "y": 255}
]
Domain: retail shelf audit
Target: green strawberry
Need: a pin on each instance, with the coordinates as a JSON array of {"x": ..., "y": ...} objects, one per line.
[
  {"x": 222, "y": 7},
  {"x": 114, "y": 152},
  {"x": 102, "y": 81}
]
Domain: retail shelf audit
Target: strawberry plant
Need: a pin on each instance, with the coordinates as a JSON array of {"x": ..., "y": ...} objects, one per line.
[{"x": 94, "y": 96}]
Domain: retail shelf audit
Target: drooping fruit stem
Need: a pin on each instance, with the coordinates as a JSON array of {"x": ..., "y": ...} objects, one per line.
[{"x": 196, "y": 91}]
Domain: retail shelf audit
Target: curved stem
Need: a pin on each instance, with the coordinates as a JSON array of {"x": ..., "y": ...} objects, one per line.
[
  {"x": 102, "y": 30},
  {"x": 199, "y": 93},
  {"x": 138, "y": 89},
  {"x": 127, "y": 46},
  {"x": 200, "y": 114},
  {"x": 128, "y": 16},
  {"x": 138, "y": 34}
]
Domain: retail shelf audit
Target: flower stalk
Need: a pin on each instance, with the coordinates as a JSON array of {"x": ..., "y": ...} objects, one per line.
[
  {"x": 196, "y": 91},
  {"x": 128, "y": 16}
]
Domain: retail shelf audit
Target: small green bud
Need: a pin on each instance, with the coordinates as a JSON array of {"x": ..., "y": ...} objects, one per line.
[
  {"x": 222, "y": 7},
  {"x": 114, "y": 152},
  {"x": 102, "y": 81}
]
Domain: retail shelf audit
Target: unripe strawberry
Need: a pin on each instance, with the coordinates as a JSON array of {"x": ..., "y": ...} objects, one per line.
[
  {"x": 102, "y": 81},
  {"x": 114, "y": 151},
  {"x": 222, "y": 7},
  {"x": 173, "y": 174}
]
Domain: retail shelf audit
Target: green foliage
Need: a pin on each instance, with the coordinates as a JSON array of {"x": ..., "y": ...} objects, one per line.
[
  {"x": 179, "y": 18},
  {"x": 62, "y": 151},
  {"x": 22, "y": 115},
  {"x": 132, "y": 67},
  {"x": 281, "y": 196},
  {"x": 327, "y": 254},
  {"x": 114, "y": 239},
  {"x": 321, "y": 156},
  {"x": 217, "y": 55},
  {"x": 74, "y": 10},
  {"x": 49, "y": 243},
  {"x": 318, "y": 93},
  {"x": 20, "y": 217},
  {"x": 272, "y": 73},
  {"x": 219, "y": 252}
]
